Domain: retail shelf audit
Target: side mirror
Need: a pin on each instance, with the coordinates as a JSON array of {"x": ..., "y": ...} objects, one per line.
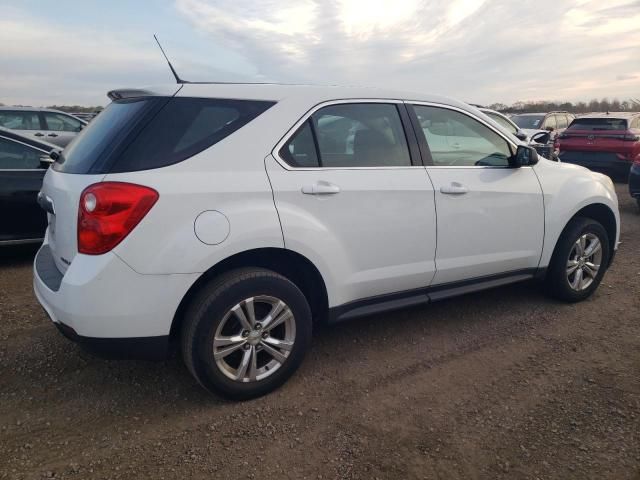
[
  {"x": 520, "y": 135},
  {"x": 541, "y": 137},
  {"x": 549, "y": 129},
  {"x": 525, "y": 157},
  {"x": 54, "y": 155}
]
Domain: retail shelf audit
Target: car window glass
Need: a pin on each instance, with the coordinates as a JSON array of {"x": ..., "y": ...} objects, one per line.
[
  {"x": 550, "y": 122},
  {"x": 600, "y": 123},
  {"x": 503, "y": 122},
  {"x": 361, "y": 135},
  {"x": 529, "y": 122},
  {"x": 455, "y": 139},
  {"x": 61, "y": 123},
  {"x": 561, "y": 121},
  {"x": 300, "y": 151},
  {"x": 17, "y": 120},
  {"x": 16, "y": 156}
]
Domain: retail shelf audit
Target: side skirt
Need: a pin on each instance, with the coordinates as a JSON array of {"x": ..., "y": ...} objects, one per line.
[{"x": 411, "y": 298}]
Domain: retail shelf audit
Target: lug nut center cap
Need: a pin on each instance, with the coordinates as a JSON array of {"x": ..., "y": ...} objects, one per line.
[{"x": 254, "y": 337}]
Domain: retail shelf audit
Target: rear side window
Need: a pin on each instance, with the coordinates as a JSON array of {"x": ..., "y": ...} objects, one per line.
[
  {"x": 562, "y": 121},
  {"x": 595, "y": 124},
  {"x": 18, "y": 120},
  {"x": 153, "y": 132},
  {"x": 350, "y": 135}
]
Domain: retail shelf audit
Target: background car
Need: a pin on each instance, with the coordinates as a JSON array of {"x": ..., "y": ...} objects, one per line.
[
  {"x": 608, "y": 142},
  {"x": 634, "y": 181},
  {"x": 554, "y": 122},
  {"x": 505, "y": 122},
  {"x": 52, "y": 126},
  {"x": 23, "y": 163},
  {"x": 540, "y": 140}
]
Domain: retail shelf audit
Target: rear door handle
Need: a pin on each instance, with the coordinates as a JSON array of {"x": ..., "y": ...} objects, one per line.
[
  {"x": 321, "y": 188},
  {"x": 38, "y": 134},
  {"x": 454, "y": 188},
  {"x": 52, "y": 135}
]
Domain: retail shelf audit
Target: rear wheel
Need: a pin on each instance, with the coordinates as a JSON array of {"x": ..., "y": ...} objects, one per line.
[
  {"x": 246, "y": 333},
  {"x": 579, "y": 261}
]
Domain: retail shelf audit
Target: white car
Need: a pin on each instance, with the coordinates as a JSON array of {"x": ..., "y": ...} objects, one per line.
[
  {"x": 42, "y": 124},
  {"x": 229, "y": 218}
]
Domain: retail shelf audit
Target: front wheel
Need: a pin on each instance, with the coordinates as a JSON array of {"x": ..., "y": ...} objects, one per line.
[
  {"x": 579, "y": 261},
  {"x": 246, "y": 333}
]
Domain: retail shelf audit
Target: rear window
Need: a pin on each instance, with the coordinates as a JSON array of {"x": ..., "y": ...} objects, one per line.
[
  {"x": 594, "y": 124},
  {"x": 153, "y": 132},
  {"x": 530, "y": 122}
]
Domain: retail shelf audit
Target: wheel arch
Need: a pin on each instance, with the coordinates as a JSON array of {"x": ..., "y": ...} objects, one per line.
[
  {"x": 292, "y": 265},
  {"x": 601, "y": 213}
]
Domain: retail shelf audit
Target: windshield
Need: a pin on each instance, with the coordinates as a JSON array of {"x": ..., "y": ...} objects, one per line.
[
  {"x": 530, "y": 122},
  {"x": 503, "y": 122},
  {"x": 595, "y": 124}
]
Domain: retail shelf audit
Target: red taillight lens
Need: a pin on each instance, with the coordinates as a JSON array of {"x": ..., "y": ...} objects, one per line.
[{"x": 108, "y": 212}]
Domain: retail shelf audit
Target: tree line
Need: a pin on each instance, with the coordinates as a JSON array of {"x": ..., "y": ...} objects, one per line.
[{"x": 595, "y": 105}]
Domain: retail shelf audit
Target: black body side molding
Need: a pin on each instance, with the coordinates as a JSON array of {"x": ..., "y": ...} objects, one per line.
[{"x": 411, "y": 298}]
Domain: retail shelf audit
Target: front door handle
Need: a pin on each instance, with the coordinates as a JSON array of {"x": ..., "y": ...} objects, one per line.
[
  {"x": 321, "y": 188},
  {"x": 454, "y": 188},
  {"x": 52, "y": 135},
  {"x": 38, "y": 134}
]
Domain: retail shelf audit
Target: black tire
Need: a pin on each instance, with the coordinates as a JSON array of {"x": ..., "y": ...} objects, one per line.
[
  {"x": 557, "y": 281},
  {"x": 206, "y": 312}
]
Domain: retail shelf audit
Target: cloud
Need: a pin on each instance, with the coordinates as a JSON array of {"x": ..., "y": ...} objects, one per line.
[{"x": 479, "y": 50}]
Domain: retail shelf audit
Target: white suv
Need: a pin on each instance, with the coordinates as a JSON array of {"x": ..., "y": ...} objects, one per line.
[{"x": 229, "y": 218}]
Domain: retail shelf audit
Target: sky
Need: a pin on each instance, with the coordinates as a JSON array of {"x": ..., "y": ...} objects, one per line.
[{"x": 481, "y": 51}]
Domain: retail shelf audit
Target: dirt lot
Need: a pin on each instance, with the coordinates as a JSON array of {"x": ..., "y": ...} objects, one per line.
[{"x": 501, "y": 384}]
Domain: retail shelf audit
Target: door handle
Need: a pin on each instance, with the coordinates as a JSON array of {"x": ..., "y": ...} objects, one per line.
[
  {"x": 52, "y": 135},
  {"x": 454, "y": 188},
  {"x": 321, "y": 188},
  {"x": 455, "y": 145},
  {"x": 38, "y": 134}
]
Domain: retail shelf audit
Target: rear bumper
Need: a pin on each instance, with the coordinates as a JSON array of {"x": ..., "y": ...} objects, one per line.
[
  {"x": 606, "y": 162},
  {"x": 108, "y": 308},
  {"x": 142, "y": 348}
]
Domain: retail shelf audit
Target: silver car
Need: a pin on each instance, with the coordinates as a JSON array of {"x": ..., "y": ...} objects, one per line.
[{"x": 43, "y": 124}]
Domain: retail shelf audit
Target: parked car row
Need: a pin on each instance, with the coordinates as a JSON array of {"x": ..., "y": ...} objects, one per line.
[{"x": 52, "y": 126}]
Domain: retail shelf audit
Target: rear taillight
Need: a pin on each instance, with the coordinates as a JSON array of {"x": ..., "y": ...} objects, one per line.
[
  {"x": 631, "y": 137},
  {"x": 108, "y": 212}
]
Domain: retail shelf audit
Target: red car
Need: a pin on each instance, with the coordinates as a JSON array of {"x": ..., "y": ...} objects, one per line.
[{"x": 608, "y": 142}]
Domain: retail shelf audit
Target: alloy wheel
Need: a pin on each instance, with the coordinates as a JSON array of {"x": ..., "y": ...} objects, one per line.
[
  {"x": 584, "y": 261},
  {"x": 254, "y": 338}
]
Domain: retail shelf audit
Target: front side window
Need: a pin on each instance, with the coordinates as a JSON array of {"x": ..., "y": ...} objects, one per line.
[
  {"x": 17, "y": 120},
  {"x": 350, "y": 135},
  {"x": 61, "y": 123},
  {"x": 16, "y": 156},
  {"x": 455, "y": 139}
]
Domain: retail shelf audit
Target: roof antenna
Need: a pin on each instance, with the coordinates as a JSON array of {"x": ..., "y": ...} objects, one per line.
[{"x": 173, "y": 70}]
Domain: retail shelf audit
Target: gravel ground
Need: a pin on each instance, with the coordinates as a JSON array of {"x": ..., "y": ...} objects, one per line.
[{"x": 501, "y": 384}]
